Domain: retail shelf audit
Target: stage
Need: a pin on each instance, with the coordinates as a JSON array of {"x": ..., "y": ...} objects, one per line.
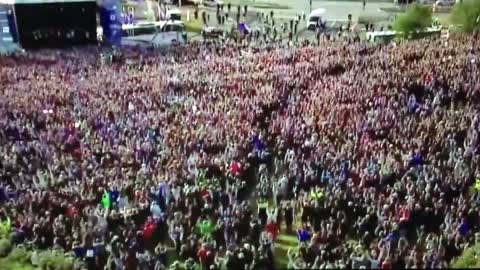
[{"x": 51, "y": 23}]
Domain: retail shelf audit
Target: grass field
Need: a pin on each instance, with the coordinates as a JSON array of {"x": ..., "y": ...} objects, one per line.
[{"x": 194, "y": 26}]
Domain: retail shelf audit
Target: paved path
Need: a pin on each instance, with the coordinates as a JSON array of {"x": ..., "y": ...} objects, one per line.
[{"x": 335, "y": 11}]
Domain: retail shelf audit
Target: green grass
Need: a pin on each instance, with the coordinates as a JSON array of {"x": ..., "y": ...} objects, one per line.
[
  {"x": 444, "y": 19},
  {"x": 194, "y": 26}
]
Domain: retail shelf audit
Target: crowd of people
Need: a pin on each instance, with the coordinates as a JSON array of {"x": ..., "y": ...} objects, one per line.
[{"x": 206, "y": 154}]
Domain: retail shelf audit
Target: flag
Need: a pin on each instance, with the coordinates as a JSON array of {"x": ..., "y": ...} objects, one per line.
[
  {"x": 5, "y": 227},
  {"x": 106, "y": 202},
  {"x": 206, "y": 228}
]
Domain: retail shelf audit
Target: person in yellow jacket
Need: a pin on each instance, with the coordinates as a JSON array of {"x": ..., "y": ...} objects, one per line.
[
  {"x": 477, "y": 184},
  {"x": 316, "y": 193}
]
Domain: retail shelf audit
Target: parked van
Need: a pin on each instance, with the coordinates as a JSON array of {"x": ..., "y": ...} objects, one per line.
[
  {"x": 314, "y": 17},
  {"x": 164, "y": 32},
  {"x": 174, "y": 15}
]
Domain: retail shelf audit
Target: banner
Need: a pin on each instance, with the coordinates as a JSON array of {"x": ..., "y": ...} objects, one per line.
[
  {"x": 8, "y": 31},
  {"x": 111, "y": 20}
]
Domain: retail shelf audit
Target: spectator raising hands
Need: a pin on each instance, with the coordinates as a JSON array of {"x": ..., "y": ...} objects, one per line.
[{"x": 206, "y": 150}]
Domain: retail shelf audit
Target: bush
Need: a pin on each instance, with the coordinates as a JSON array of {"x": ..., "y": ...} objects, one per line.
[
  {"x": 417, "y": 18},
  {"x": 469, "y": 258},
  {"x": 15, "y": 265},
  {"x": 466, "y": 14},
  {"x": 21, "y": 259},
  {"x": 19, "y": 255},
  {"x": 51, "y": 260},
  {"x": 5, "y": 247},
  {"x": 14, "y": 258}
]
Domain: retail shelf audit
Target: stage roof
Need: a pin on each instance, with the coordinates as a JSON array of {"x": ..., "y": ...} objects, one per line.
[{"x": 15, "y": 2}]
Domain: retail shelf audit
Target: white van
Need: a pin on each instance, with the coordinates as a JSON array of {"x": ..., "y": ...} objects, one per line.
[
  {"x": 212, "y": 3},
  {"x": 163, "y": 32},
  {"x": 314, "y": 17},
  {"x": 445, "y": 2},
  {"x": 170, "y": 32},
  {"x": 381, "y": 36},
  {"x": 174, "y": 15}
]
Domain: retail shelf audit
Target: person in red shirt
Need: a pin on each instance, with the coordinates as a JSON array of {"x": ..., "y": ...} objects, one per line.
[
  {"x": 149, "y": 229},
  {"x": 273, "y": 229},
  {"x": 404, "y": 214},
  {"x": 236, "y": 168},
  {"x": 204, "y": 253},
  {"x": 386, "y": 264}
]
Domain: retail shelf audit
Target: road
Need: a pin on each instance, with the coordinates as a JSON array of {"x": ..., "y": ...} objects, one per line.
[{"x": 336, "y": 12}]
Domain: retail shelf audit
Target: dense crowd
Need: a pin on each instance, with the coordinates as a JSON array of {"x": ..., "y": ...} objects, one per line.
[{"x": 206, "y": 154}]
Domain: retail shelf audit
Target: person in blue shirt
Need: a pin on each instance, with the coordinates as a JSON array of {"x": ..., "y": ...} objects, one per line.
[
  {"x": 258, "y": 144},
  {"x": 412, "y": 104},
  {"x": 78, "y": 250},
  {"x": 416, "y": 160},
  {"x": 114, "y": 194},
  {"x": 3, "y": 196},
  {"x": 464, "y": 228},
  {"x": 304, "y": 234}
]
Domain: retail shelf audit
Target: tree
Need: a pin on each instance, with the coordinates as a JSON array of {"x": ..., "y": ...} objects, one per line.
[
  {"x": 468, "y": 259},
  {"x": 466, "y": 14},
  {"x": 416, "y": 18}
]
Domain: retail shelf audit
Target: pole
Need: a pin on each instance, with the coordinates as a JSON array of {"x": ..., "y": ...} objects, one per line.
[{"x": 16, "y": 24}]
